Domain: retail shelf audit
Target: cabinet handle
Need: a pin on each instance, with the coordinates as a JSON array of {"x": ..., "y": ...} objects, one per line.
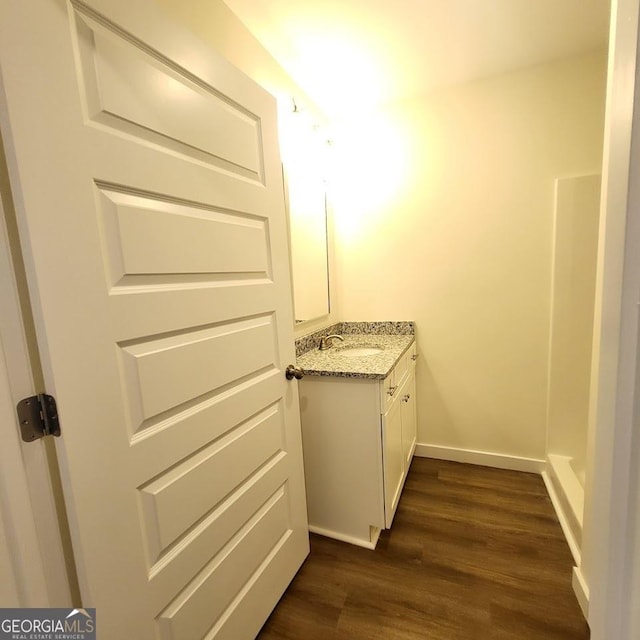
[
  {"x": 392, "y": 390},
  {"x": 406, "y": 398},
  {"x": 414, "y": 357}
]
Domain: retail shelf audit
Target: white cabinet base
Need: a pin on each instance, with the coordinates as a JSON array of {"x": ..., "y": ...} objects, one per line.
[
  {"x": 369, "y": 543},
  {"x": 342, "y": 453},
  {"x": 355, "y": 456}
]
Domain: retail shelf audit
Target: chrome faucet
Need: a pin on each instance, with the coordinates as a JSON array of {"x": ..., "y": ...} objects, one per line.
[{"x": 326, "y": 342}]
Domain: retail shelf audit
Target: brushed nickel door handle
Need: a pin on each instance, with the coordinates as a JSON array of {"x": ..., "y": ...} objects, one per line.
[{"x": 292, "y": 372}]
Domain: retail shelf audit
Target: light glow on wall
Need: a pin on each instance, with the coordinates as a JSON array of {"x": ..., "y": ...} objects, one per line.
[
  {"x": 303, "y": 152},
  {"x": 345, "y": 72},
  {"x": 371, "y": 156},
  {"x": 302, "y": 141}
]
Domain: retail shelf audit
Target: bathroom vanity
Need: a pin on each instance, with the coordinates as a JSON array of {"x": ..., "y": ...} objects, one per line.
[{"x": 359, "y": 433}]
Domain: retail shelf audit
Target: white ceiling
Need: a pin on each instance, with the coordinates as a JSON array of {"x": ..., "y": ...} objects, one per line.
[{"x": 345, "y": 53}]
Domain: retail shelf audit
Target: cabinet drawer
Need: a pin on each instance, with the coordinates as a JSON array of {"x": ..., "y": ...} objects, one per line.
[
  {"x": 401, "y": 368},
  {"x": 388, "y": 390},
  {"x": 412, "y": 355},
  {"x": 392, "y": 383}
]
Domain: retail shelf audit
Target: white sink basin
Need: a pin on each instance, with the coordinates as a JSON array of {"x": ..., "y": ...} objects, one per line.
[{"x": 359, "y": 351}]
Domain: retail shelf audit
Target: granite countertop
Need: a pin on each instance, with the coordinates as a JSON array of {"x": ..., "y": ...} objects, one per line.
[{"x": 376, "y": 366}]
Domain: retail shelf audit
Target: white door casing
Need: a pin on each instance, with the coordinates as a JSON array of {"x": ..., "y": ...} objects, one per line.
[
  {"x": 34, "y": 569},
  {"x": 22, "y": 576},
  {"x": 29, "y": 484},
  {"x": 148, "y": 190}
]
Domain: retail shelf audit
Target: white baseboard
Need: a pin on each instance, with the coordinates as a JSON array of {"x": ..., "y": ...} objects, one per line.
[
  {"x": 567, "y": 496},
  {"x": 573, "y": 491},
  {"x": 581, "y": 590},
  {"x": 483, "y": 458},
  {"x": 556, "y": 501}
]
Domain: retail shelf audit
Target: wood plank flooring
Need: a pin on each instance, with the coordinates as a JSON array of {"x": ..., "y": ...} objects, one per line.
[{"x": 474, "y": 554}]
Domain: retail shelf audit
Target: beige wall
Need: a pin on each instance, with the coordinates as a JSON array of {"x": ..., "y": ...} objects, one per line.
[
  {"x": 218, "y": 26},
  {"x": 443, "y": 214},
  {"x": 444, "y": 209}
]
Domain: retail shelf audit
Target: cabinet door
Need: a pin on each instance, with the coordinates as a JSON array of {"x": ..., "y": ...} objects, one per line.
[
  {"x": 409, "y": 422},
  {"x": 393, "y": 459}
]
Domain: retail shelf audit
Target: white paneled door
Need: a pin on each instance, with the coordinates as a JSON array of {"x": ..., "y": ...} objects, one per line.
[{"x": 148, "y": 190}]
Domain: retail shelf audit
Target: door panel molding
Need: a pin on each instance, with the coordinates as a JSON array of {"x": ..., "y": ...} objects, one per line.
[{"x": 165, "y": 324}]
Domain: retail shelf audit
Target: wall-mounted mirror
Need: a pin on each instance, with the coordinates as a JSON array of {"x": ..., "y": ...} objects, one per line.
[{"x": 303, "y": 155}]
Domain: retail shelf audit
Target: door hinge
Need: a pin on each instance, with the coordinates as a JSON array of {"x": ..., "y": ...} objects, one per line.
[{"x": 38, "y": 416}]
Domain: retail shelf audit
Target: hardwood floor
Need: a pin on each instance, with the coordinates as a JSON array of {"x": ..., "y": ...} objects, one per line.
[{"x": 474, "y": 553}]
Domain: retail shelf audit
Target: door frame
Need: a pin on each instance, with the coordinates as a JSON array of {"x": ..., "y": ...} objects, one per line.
[
  {"x": 36, "y": 566},
  {"x": 609, "y": 552}
]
